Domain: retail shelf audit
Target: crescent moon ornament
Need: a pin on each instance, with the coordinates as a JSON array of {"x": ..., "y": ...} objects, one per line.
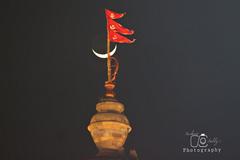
[{"x": 105, "y": 55}]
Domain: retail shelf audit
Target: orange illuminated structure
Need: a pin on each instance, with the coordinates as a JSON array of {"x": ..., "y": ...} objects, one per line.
[{"x": 109, "y": 127}]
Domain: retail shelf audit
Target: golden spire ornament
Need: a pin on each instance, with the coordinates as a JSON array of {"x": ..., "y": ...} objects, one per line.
[{"x": 109, "y": 127}]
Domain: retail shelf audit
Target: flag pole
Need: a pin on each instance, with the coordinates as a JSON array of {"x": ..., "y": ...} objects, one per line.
[
  {"x": 109, "y": 85},
  {"x": 109, "y": 57},
  {"x": 118, "y": 38}
]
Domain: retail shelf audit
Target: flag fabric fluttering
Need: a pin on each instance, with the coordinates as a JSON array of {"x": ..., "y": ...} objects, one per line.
[
  {"x": 113, "y": 15},
  {"x": 117, "y": 38},
  {"x": 115, "y": 29}
]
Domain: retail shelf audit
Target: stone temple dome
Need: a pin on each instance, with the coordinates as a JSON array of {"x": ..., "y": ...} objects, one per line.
[{"x": 109, "y": 127}]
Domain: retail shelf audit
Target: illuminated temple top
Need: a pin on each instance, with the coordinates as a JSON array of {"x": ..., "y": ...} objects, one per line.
[{"x": 109, "y": 127}]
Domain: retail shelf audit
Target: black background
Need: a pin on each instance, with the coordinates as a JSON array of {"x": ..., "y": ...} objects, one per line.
[{"x": 181, "y": 74}]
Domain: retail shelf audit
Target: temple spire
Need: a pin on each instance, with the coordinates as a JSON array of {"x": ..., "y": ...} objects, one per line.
[{"x": 109, "y": 127}]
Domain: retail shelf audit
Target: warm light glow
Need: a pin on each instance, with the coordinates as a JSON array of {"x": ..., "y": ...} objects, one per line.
[
  {"x": 109, "y": 127},
  {"x": 110, "y": 106}
]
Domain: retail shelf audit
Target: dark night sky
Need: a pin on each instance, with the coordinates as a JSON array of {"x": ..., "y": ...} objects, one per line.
[{"x": 181, "y": 74}]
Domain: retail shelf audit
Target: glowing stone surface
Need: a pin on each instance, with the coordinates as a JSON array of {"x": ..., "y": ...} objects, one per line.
[{"x": 109, "y": 127}]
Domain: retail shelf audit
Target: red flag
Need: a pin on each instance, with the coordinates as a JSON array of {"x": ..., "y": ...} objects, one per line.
[
  {"x": 116, "y": 27},
  {"x": 115, "y": 37},
  {"x": 113, "y": 15}
]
